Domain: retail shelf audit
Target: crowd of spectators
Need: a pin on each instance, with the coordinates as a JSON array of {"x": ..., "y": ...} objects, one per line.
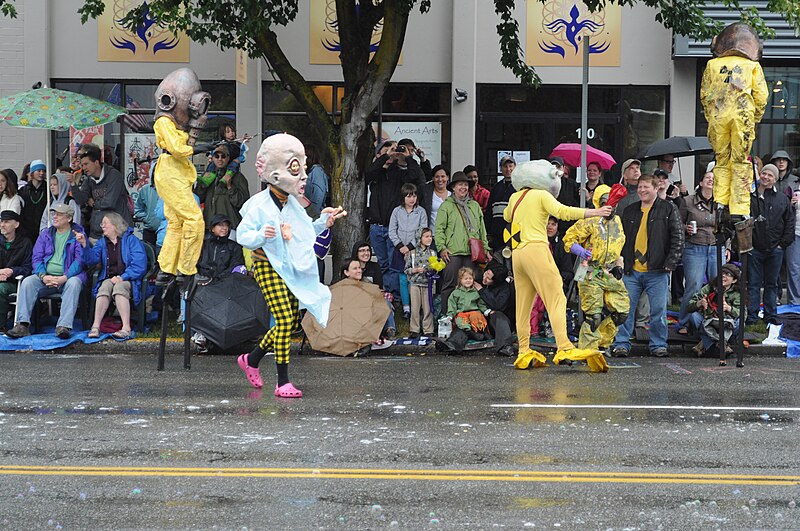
[{"x": 418, "y": 217}]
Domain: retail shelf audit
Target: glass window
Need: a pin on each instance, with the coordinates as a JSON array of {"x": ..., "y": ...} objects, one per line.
[
  {"x": 141, "y": 96},
  {"x": 416, "y": 99},
  {"x": 643, "y": 117}
]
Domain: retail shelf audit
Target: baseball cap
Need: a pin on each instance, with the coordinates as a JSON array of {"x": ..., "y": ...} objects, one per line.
[
  {"x": 6, "y": 215},
  {"x": 37, "y": 165},
  {"x": 507, "y": 158},
  {"x": 661, "y": 173},
  {"x": 62, "y": 208},
  {"x": 629, "y": 162},
  {"x": 557, "y": 160}
]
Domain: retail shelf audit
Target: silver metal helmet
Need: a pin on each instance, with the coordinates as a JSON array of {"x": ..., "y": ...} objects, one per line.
[{"x": 180, "y": 97}]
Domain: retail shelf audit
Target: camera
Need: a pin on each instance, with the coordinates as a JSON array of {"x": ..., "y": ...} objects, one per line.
[{"x": 401, "y": 149}]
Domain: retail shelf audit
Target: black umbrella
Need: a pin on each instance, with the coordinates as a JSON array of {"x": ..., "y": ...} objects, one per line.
[
  {"x": 230, "y": 311},
  {"x": 680, "y": 146}
]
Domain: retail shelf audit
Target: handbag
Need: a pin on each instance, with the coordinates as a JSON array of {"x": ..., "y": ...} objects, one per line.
[{"x": 476, "y": 250}]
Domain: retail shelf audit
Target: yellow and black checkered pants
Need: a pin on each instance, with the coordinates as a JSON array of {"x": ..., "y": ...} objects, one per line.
[{"x": 284, "y": 307}]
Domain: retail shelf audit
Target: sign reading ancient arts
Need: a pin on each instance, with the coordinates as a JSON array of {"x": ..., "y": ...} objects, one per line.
[
  {"x": 556, "y": 29},
  {"x": 150, "y": 42},
  {"x": 323, "y": 34}
]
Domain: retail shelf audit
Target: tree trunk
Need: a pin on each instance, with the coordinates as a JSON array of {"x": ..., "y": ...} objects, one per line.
[{"x": 349, "y": 191}]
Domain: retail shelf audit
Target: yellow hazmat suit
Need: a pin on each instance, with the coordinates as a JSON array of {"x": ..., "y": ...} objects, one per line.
[
  {"x": 733, "y": 94},
  {"x": 174, "y": 177},
  {"x": 600, "y": 289},
  {"x": 535, "y": 271}
]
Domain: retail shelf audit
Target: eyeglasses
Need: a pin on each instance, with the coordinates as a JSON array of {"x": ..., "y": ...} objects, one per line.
[
  {"x": 667, "y": 161},
  {"x": 220, "y": 156}
]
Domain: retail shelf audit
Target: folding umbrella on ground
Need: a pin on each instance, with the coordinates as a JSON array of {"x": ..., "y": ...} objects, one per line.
[
  {"x": 230, "y": 312},
  {"x": 679, "y": 146},
  {"x": 571, "y": 153},
  {"x": 357, "y": 316}
]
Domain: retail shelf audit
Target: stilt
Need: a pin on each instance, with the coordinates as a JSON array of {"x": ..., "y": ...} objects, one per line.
[
  {"x": 187, "y": 294},
  {"x": 743, "y": 302},
  {"x": 162, "y": 344}
]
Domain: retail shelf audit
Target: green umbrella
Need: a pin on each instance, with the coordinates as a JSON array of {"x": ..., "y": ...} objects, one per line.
[
  {"x": 54, "y": 109},
  {"x": 48, "y": 108}
]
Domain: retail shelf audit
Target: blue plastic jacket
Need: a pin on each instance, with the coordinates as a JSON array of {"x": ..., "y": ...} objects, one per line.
[{"x": 133, "y": 256}]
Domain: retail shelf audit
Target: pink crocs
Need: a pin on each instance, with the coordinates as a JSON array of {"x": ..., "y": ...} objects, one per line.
[
  {"x": 287, "y": 390},
  {"x": 253, "y": 376}
]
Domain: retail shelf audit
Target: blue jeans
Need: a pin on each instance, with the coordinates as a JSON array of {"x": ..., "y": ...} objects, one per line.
[
  {"x": 699, "y": 267},
  {"x": 696, "y": 319},
  {"x": 383, "y": 248},
  {"x": 390, "y": 321},
  {"x": 793, "y": 271},
  {"x": 656, "y": 285},
  {"x": 764, "y": 269},
  {"x": 29, "y": 293}
]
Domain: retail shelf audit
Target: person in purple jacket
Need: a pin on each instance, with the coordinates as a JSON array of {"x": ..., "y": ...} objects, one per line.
[{"x": 57, "y": 268}]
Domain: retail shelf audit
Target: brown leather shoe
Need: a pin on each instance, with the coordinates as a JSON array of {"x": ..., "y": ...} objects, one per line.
[{"x": 19, "y": 330}]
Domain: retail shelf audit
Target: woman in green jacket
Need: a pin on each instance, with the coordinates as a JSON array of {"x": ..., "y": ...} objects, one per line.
[{"x": 459, "y": 218}]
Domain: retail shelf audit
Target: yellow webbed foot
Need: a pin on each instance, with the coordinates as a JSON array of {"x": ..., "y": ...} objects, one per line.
[{"x": 524, "y": 360}]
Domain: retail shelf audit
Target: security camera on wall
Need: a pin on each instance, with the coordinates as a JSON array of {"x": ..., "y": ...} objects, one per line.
[{"x": 461, "y": 95}]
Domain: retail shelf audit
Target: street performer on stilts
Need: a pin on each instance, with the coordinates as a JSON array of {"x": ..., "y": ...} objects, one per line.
[
  {"x": 535, "y": 272},
  {"x": 181, "y": 115},
  {"x": 282, "y": 236},
  {"x": 604, "y": 299},
  {"x": 734, "y": 94}
]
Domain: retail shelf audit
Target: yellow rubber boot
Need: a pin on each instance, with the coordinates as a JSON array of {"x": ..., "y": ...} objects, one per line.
[
  {"x": 524, "y": 360},
  {"x": 597, "y": 363}
]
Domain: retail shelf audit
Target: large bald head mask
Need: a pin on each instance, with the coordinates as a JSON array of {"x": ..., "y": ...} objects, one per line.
[{"x": 281, "y": 162}]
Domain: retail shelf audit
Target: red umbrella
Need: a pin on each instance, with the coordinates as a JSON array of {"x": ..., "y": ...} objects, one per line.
[{"x": 571, "y": 153}]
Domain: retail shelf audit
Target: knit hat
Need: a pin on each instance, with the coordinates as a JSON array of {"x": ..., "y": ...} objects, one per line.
[
  {"x": 37, "y": 165},
  {"x": 772, "y": 169}
]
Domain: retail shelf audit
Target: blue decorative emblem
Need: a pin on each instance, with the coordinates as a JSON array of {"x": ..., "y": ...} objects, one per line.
[
  {"x": 148, "y": 32},
  {"x": 566, "y": 32}
]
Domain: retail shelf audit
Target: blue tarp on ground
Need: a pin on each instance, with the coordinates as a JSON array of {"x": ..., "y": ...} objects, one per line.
[{"x": 46, "y": 340}]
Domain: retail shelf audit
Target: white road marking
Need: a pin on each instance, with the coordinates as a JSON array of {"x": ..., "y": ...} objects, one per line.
[{"x": 640, "y": 406}]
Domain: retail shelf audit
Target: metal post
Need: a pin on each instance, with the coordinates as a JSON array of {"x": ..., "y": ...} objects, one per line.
[
  {"x": 584, "y": 116},
  {"x": 743, "y": 302},
  {"x": 719, "y": 298}
]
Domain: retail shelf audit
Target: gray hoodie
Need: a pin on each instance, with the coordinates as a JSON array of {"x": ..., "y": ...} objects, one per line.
[
  {"x": 404, "y": 225},
  {"x": 789, "y": 182}
]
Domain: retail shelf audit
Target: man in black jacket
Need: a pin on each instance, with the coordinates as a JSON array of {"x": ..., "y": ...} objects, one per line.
[
  {"x": 392, "y": 169},
  {"x": 15, "y": 259},
  {"x": 653, "y": 248},
  {"x": 498, "y": 201},
  {"x": 497, "y": 293},
  {"x": 773, "y": 232}
]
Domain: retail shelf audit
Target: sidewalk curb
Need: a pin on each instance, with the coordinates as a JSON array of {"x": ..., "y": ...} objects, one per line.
[{"x": 175, "y": 346}]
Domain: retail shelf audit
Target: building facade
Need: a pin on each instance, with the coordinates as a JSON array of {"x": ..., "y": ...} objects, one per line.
[{"x": 649, "y": 92}]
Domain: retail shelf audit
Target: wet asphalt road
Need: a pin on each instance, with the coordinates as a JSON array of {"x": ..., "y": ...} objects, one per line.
[{"x": 399, "y": 441}]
